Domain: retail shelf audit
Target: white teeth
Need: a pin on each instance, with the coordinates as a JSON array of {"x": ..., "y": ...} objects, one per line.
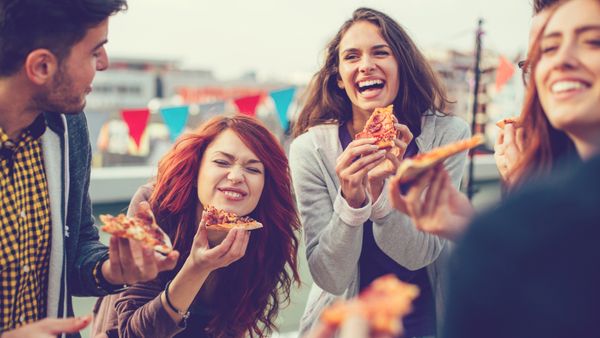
[
  {"x": 233, "y": 194},
  {"x": 369, "y": 83},
  {"x": 564, "y": 86}
]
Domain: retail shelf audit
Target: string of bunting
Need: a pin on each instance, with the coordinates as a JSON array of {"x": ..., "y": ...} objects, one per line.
[{"x": 177, "y": 117}]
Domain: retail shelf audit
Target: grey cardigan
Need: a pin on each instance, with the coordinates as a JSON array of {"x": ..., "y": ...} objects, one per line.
[{"x": 333, "y": 230}]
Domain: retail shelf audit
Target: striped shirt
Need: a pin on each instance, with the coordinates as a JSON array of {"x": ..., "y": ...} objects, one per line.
[{"x": 24, "y": 228}]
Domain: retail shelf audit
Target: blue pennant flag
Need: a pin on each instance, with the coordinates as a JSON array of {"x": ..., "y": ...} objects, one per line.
[
  {"x": 175, "y": 118},
  {"x": 283, "y": 98}
]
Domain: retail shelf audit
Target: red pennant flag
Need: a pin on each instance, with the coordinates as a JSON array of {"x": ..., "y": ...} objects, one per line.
[
  {"x": 137, "y": 120},
  {"x": 247, "y": 105},
  {"x": 504, "y": 72}
]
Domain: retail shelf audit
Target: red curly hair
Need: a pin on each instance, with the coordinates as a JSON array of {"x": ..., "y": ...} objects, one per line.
[{"x": 250, "y": 290}]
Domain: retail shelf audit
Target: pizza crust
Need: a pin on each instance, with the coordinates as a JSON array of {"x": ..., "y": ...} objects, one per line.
[
  {"x": 510, "y": 120},
  {"x": 412, "y": 168},
  {"x": 228, "y": 226},
  {"x": 224, "y": 221}
]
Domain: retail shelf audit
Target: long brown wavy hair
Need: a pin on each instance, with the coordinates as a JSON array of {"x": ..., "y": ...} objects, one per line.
[
  {"x": 544, "y": 146},
  {"x": 251, "y": 289},
  {"x": 420, "y": 89}
]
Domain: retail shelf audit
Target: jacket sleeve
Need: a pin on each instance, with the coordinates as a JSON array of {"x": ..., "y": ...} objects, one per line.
[
  {"x": 140, "y": 312},
  {"x": 395, "y": 232},
  {"x": 83, "y": 245},
  {"x": 333, "y": 231}
]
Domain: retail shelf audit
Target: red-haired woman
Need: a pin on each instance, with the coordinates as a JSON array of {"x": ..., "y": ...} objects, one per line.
[{"x": 229, "y": 287}]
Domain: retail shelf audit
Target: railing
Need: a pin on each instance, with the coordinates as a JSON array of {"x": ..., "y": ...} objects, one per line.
[{"x": 118, "y": 184}]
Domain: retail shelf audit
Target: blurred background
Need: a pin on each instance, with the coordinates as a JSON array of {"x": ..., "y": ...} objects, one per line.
[{"x": 176, "y": 63}]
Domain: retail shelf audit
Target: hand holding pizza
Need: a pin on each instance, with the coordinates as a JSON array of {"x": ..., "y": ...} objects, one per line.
[
  {"x": 434, "y": 205},
  {"x": 508, "y": 149},
  {"x": 231, "y": 249},
  {"x": 352, "y": 168},
  {"x": 393, "y": 157},
  {"x": 132, "y": 260}
]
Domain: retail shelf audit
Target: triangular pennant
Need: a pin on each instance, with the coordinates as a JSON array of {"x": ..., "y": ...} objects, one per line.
[
  {"x": 175, "y": 118},
  {"x": 95, "y": 121},
  {"x": 247, "y": 105},
  {"x": 504, "y": 72},
  {"x": 283, "y": 98},
  {"x": 137, "y": 120}
]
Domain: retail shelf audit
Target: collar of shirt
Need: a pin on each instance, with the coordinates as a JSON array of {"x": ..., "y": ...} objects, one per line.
[{"x": 33, "y": 132}]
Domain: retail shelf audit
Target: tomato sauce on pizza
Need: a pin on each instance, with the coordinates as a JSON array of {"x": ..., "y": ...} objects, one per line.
[
  {"x": 380, "y": 125},
  {"x": 143, "y": 229},
  {"x": 222, "y": 220}
]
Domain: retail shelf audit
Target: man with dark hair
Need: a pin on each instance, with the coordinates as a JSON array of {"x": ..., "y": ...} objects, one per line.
[{"x": 50, "y": 51}]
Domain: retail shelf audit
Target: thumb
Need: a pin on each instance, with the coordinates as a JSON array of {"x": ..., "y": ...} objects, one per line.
[
  {"x": 201, "y": 237},
  {"x": 396, "y": 197},
  {"x": 67, "y": 325},
  {"x": 168, "y": 262}
]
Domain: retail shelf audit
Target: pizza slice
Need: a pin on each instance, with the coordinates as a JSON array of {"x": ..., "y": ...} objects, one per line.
[
  {"x": 225, "y": 221},
  {"x": 142, "y": 227},
  {"x": 411, "y": 168},
  {"x": 509, "y": 120},
  {"x": 383, "y": 304},
  {"x": 380, "y": 125}
]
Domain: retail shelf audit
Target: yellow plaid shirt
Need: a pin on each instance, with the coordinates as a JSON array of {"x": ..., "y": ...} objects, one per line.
[{"x": 24, "y": 228}]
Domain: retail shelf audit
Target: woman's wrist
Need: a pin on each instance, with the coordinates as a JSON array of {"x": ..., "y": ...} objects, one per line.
[
  {"x": 194, "y": 270},
  {"x": 356, "y": 200}
]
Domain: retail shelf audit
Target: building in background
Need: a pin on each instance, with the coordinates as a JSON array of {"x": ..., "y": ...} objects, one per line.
[{"x": 132, "y": 83}]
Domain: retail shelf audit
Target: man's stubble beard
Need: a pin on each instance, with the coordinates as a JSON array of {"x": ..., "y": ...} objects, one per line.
[{"x": 59, "y": 96}]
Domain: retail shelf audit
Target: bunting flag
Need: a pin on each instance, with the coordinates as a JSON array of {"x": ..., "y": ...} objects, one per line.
[
  {"x": 247, "y": 105},
  {"x": 283, "y": 98},
  {"x": 504, "y": 72},
  {"x": 95, "y": 121},
  {"x": 137, "y": 120},
  {"x": 175, "y": 118}
]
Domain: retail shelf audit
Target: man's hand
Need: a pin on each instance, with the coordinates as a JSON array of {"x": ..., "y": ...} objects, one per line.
[
  {"x": 131, "y": 262},
  {"x": 49, "y": 328}
]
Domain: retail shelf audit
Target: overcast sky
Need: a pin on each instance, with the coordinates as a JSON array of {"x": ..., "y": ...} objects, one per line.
[{"x": 280, "y": 38}]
